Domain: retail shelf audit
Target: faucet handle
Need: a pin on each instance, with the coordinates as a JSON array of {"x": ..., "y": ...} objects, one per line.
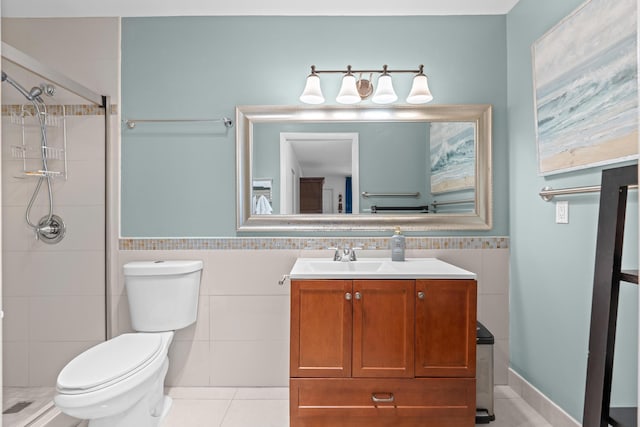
[
  {"x": 352, "y": 255},
  {"x": 336, "y": 254}
]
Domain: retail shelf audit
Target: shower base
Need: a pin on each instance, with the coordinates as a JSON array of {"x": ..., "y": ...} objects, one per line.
[{"x": 33, "y": 407}]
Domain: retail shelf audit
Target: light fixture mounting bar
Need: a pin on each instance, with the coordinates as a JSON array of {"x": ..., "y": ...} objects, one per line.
[{"x": 379, "y": 71}]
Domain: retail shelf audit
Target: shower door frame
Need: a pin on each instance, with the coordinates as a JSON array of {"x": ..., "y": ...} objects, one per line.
[{"x": 36, "y": 67}]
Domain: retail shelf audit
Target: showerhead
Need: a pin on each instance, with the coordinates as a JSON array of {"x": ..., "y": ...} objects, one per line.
[{"x": 34, "y": 93}]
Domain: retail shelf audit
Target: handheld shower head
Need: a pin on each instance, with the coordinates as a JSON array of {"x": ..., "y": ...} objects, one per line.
[{"x": 34, "y": 93}]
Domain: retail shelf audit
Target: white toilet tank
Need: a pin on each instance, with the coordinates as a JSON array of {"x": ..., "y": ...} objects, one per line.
[{"x": 163, "y": 295}]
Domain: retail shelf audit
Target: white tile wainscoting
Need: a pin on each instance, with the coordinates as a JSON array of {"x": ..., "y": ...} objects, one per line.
[{"x": 241, "y": 338}]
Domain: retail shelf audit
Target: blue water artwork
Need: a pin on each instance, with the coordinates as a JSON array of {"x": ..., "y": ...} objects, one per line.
[
  {"x": 452, "y": 156},
  {"x": 585, "y": 88}
]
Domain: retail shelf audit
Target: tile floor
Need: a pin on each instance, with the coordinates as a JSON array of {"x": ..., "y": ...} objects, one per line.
[{"x": 269, "y": 407}]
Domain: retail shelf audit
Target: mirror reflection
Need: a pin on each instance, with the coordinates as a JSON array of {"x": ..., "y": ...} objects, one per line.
[
  {"x": 426, "y": 167},
  {"x": 364, "y": 168}
]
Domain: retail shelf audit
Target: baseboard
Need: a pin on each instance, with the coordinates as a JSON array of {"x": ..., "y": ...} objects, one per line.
[{"x": 554, "y": 414}]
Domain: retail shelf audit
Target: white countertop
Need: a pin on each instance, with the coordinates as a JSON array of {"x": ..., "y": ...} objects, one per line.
[{"x": 377, "y": 268}]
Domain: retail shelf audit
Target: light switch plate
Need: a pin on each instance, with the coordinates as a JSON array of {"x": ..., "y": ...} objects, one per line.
[{"x": 562, "y": 212}]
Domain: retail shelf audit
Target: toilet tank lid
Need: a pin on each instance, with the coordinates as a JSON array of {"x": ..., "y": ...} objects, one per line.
[{"x": 156, "y": 268}]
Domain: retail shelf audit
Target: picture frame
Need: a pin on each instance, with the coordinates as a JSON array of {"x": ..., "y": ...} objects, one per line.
[
  {"x": 452, "y": 156},
  {"x": 585, "y": 88}
]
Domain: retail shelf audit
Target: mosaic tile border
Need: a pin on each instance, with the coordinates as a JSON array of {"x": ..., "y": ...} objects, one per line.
[
  {"x": 56, "y": 110},
  {"x": 307, "y": 243}
]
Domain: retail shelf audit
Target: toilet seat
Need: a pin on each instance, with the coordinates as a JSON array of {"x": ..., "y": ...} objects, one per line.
[{"x": 110, "y": 362}]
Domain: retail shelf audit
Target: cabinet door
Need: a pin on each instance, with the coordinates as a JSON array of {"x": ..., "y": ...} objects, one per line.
[
  {"x": 446, "y": 328},
  {"x": 383, "y": 328},
  {"x": 321, "y": 324}
]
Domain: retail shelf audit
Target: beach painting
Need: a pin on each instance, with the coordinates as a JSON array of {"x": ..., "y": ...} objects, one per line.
[
  {"x": 452, "y": 152},
  {"x": 585, "y": 88}
]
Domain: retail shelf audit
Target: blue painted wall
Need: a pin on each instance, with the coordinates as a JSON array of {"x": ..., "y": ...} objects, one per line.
[
  {"x": 552, "y": 264},
  {"x": 179, "y": 181}
]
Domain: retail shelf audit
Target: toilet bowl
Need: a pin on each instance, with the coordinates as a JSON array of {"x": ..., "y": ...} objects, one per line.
[
  {"x": 120, "y": 382},
  {"x": 117, "y": 378}
]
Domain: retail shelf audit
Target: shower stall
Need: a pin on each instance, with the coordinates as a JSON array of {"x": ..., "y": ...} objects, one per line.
[{"x": 54, "y": 147}]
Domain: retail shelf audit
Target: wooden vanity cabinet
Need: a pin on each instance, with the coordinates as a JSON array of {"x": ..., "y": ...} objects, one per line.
[
  {"x": 446, "y": 328},
  {"x": 382, "y": 353},
  {"x": 383, "y": 329},
  {"x": 321, "y": 319}
]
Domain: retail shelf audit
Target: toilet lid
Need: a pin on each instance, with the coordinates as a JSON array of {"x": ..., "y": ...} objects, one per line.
[{"x": 109, "y": 361}]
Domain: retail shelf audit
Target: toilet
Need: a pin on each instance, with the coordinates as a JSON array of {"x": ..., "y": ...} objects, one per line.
[{"x": 120, "y": 382}]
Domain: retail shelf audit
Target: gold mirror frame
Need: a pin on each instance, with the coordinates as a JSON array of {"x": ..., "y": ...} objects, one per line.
[{"x": 247, "y": 116}]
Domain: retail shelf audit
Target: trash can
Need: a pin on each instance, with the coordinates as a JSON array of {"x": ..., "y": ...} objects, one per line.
[{"x": 484, "y": 375}]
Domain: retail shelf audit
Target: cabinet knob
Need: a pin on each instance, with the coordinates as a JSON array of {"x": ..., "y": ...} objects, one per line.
[
  {"x": 347, "y": 296},
  {"x": 420, "y": 295},
  {"x": 358, "y": 296}
]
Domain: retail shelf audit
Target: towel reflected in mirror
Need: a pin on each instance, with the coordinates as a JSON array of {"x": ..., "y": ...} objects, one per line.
[{"x": 261, "y": 206}]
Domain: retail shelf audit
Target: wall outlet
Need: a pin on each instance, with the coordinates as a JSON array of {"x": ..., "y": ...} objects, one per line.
[{"x": 562, "y": 212}]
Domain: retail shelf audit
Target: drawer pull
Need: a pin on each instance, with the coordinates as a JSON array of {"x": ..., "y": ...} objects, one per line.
[{"x": 388, "y": 399}]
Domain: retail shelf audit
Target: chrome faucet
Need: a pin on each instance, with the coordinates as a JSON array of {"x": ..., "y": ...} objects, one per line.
[{"x": 345, "y": 255}]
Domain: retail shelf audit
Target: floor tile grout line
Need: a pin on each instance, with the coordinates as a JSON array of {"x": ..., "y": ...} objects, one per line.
[
  {"x": 236, "y": 390},
  {"x": 226, "y": 411}
]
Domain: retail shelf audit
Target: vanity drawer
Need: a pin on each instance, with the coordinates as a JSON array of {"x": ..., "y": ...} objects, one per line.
[{"x": 354, "y": 402}]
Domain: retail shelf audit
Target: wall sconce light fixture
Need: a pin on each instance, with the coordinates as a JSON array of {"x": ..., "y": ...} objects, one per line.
[{"x": 355, "y": 90}]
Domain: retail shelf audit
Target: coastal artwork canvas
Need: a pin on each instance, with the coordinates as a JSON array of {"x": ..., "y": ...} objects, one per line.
[
  {"x": 452, "y": 156},
  {"x": 585, "y": 84}
]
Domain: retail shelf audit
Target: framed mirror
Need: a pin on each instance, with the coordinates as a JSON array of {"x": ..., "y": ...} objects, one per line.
[{"x": 364, "y": 168}]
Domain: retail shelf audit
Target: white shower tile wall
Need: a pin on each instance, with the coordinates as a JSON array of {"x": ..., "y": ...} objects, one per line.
[
  {"x": 53, "y": 294},
  {"x": 241, "y": 337}
]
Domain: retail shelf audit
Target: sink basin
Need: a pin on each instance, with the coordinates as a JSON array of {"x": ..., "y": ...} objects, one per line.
[
  {"x": 338, "y": 266},
  {"x": 377, "y": 268}
]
